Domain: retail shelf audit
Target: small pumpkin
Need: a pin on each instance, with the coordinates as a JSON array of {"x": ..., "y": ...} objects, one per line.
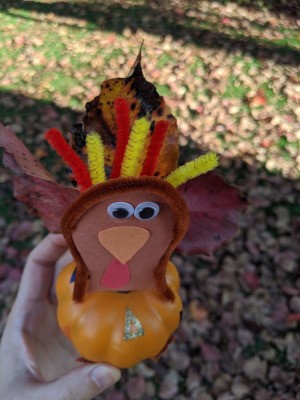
[{"x": 118, "y": 328}]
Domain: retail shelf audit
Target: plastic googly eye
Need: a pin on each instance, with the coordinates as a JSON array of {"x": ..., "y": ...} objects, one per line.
[
  {"x": 120, "y": 210},
  {"x": 146, "y": 211}
]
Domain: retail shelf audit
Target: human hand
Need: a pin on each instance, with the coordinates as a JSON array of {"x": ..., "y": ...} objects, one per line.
[{"x": 36, "y": 360}]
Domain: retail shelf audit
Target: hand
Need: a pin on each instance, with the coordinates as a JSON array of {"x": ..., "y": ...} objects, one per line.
[{"x": 36, "y": 360}]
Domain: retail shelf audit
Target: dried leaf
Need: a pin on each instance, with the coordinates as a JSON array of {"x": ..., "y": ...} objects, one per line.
[
  {"x": 210, "y": 352},
  {"x": 144, "y": 100},
  {"x": 214, "y": 210},
  {"x": 250, "y": 279},
  {"x": 49, "y": 199},
  {"x": 21, "y": 160},
  {"x": 169, "y": 386},
  {"x": 259, "y": 100},
  {"x": 33, "y": 184},
  {"x": 198, "y": 312},
  {"x": 136, "y": 387}
]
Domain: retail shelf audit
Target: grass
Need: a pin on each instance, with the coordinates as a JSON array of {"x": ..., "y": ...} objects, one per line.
[
  {"x": 235, "y": 89},
  {"x": 52, "y": 47},
  {"x": 62, "y": 83},
  {"x": 115, "y": 53},
  {"x": 164, "y": 60},
  {"x": 251, "y": 64},
  {"x": 163, "y": 90},
  {"x": 197, "y": 65},
  {"x": 279, "y": 100}
]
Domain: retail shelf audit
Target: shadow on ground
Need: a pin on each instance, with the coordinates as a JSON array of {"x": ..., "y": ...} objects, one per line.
[
  {"x": 157, "y": 17},
  {"x": 264, "y": 243}
]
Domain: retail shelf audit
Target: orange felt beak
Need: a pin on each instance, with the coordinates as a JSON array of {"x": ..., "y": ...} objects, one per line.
[{"x": 123, "y": 242}]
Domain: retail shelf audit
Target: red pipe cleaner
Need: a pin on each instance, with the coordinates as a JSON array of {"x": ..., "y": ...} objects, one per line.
[
  {"x": 123, "y": 130},
  {"x": 154, "y": 148},
  {"x": 63, "y": 149}
]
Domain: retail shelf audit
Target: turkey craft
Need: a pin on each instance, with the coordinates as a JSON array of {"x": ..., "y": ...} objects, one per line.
[{"x": 118, "y": 300}]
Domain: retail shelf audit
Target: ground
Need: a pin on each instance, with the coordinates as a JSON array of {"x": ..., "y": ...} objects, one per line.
[{"x": 230, "y": 73}]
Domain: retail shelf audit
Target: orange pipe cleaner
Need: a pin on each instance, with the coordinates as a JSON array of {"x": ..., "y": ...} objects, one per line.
[
  {"x": 78, "y": 167},
  {"x": 123, "y": 131},
  {"x": 154, "y": 148}
]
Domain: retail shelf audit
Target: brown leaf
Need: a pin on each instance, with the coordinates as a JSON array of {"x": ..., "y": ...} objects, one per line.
[
  {"x": 144, "y": 100},
  {"x": 250, "y": 279},
  {"x": 49, "y": 199},
  {"x": 214, "y": 210},
  {"x": 33, "y": 185},
  {"x": 136, "y": 387},
  {"x": 259, "y": 100},
  {"x": 210, "y": 352},
  {"x": 198, "y": 312},
  {"x": 21, "y": 160}
]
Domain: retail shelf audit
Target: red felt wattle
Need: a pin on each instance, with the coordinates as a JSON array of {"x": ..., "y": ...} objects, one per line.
[
  {"x": 123, "y": 130},
  {"x": 154, "y": 148},
  {"x": 116, "y": 276},
  {"x": 78, "y": 167}
]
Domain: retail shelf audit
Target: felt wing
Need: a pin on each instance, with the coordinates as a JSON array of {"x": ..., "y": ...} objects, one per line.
[
  {"x": 215, "y": 208},
  {"x": 33, "y": 184},
  {"x": 143, "y": 100}
]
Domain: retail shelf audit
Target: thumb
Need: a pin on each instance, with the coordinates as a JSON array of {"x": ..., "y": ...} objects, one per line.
[{"x": 82, "y": 383}]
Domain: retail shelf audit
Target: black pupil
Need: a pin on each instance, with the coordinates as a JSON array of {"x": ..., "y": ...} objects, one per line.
[
  {"x": 146, "y": 213},
  {"x": 120, "y": 213}
]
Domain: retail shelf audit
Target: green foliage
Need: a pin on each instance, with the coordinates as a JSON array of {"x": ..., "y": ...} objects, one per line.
[
  {"x": 235, "y": 89},
  {"x": 164, "y": 60},
  {"x": 163, "y": 90}
]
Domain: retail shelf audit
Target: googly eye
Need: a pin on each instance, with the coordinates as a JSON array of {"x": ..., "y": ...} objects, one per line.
[
  {"x": 146, "y": 211},
  {"x": 120, "y": 210}
]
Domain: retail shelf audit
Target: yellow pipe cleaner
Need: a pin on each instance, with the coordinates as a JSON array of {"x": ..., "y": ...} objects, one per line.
[
  {"x": 95, "y": 151},
  {"x": 192, "y": 169},
  {"x": 135, "y": 147}
]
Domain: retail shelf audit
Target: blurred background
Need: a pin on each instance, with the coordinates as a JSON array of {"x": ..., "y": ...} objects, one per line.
[{"x": 229, "y": 70}]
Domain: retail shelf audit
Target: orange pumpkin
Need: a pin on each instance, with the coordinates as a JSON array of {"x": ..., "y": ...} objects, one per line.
[{"x": 118, "y": 328}]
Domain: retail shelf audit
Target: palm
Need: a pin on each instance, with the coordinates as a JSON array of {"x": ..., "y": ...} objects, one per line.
[{"x": 53, "y": 353}]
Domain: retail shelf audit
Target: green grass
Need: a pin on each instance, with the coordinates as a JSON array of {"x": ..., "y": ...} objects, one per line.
[
  {"x": 163, "y": 90},
  {"x": 164, "y": 60},
  {"x": 251, "y": 64},
  {"x": 278, "y": 100},
  {"x": 62, "y": 83},
  {"x": 197, "y": 65},
  {"x": 115, "y": 53},
  {"x": 235, "y": 89}
]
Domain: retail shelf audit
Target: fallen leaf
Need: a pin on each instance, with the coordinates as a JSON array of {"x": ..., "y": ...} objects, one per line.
[
  {"x": 198, "y": 312},
  {"x": 250, "y": 279},
  {"x": 49, "y": 199},
  {"x": 136, "y": 387},
  {"x": 20, "y": 160},
  {"x": 293, "y": 317},
  {"x": 259, "y": 100},
  {"x": 33, "y": 184},
  {"x": 214, "y": 209},
  {"x": 210, "y": 352}
]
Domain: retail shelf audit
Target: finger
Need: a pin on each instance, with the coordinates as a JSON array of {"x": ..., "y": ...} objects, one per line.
[
  {"x": 39, "y": 269},
  {"x": 82, "y": 383},
  {"x": 64, "y": 260}
]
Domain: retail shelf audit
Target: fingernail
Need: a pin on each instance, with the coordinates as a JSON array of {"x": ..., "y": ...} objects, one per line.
[{"x": 105, "y": 376}]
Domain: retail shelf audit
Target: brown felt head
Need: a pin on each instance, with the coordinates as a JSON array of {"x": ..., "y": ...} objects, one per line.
[{"x": 78, "y": 227}]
